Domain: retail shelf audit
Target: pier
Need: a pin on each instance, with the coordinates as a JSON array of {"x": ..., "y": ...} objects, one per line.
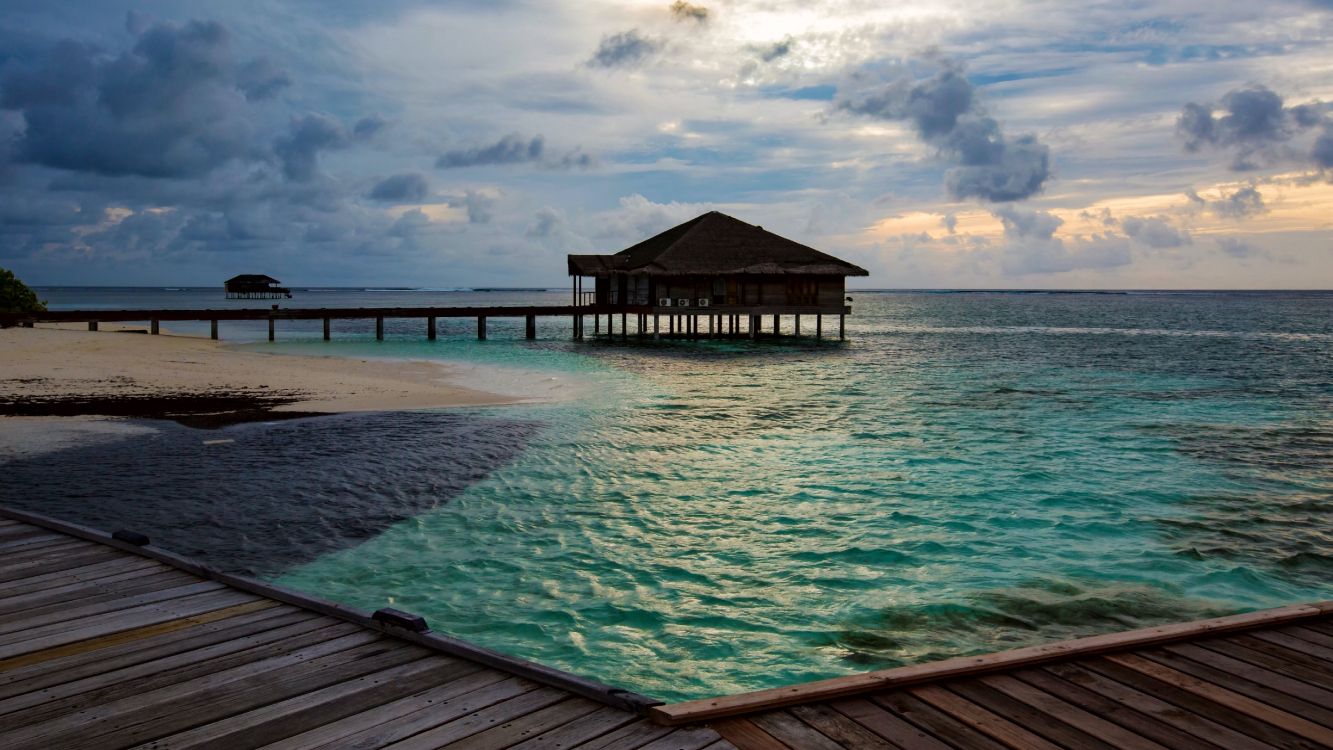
[
  {"x": 641, "y": 321},
  {"x": 108, "y": 641}
]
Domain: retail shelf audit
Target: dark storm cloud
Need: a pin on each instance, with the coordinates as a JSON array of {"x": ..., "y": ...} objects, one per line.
[
  {"x": 175, "y": 105},
  {"x": 1322, "y": 153},
  {"x": 514, "y": 149},
  {"x": 625, "y": 49},
  {"x": 307, "y": 135},
  {"x": 1253, "y": 123},
  {"x": 409, "y": 187},
  {"x": 944, "y": 111},
  {"x": 1245, "y": 202},
  {"x": 683, "y": 11}
]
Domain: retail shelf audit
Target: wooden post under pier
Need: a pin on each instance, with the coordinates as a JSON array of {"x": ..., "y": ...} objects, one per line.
[
  {"x": 153, "y": 327},
  {"x": 819, "y": 326},
  {"x": 92, "y": 325},
  {"x": 213, "y": 330},
  {"x": 624, "y": 327},
  {"x": 270, "y": 329},
  {"x": 326, "y": 329},
  {"x": 481, "y": 327},
  {"x": 798, "y": 324},
  {"x": 430, "y": 328},
  {"x": 842, "y": 327},
  {"x": 777, "y": 324},
  {"x": 531, "y": 327},
  {"x": 379, "y": 328}
]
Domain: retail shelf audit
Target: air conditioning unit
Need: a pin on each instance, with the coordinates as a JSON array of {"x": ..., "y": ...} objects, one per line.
[
  {"x": 664, "y": 302},
  {"x": 683, "y": 302},
  {"x": 704, "y": 302}
]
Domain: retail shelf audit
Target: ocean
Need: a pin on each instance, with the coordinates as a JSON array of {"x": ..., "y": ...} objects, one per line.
[{"x": 967, "y": 472}]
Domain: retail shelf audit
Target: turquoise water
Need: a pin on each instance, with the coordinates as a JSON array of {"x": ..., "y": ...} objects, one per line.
[
  {"x": 709, "y": 518},
  {"x": 967, "y": 473}
]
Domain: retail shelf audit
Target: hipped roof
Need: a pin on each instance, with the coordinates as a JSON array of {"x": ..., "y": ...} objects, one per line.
[
  {"x": 252, "y": 278},
  {"x": 714, "y": 244}
]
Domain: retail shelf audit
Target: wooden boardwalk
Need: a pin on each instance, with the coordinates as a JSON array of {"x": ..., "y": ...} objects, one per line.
[
  {"x": 103, "y": 648},
  {"x": 108, "y": 644},
  {"x": 1257, "y": 681}
]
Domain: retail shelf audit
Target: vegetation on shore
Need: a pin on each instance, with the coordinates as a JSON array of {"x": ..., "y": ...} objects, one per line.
[{"x": 16, "y": 297}]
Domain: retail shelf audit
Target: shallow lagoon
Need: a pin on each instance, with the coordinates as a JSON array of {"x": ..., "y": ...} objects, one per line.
[{"x": 968, "y": 472}]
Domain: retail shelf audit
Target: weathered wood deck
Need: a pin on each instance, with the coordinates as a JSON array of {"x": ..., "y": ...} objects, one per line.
[
  {"x": 106, "y": 644},
  {"x": 104, "y": 648}
]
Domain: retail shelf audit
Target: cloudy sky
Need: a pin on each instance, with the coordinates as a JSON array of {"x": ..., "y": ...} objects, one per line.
[{"x": 1124, "y": 144}]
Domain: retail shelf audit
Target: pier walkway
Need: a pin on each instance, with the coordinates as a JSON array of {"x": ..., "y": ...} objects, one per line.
[{"x": 107, "y": 641}]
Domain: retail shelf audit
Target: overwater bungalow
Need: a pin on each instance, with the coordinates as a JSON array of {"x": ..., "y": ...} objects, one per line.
[
  {"x": 718, "y": 267},
  {"x": 255, "y": 286}
]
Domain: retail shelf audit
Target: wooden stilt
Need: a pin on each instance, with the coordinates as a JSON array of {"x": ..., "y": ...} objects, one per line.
[
  {"x": 326, "y": 329},
  {"x": 481, "y": 327},
  {"x": 842, "y": 327},
  {"x": 92, "y": 325},
  {"x": 624, "y": 326},
  {"x": 430, "y": 328},
  {"x": 596, "y": 324},
  {"x": 270, "y": 329},
  {"x": 819, "y": 326},
  {"x": 153, "y": 327},
  {"x": 379, "y": 328},
  {"x": 798, "y": 325},
  {"x": 710, "y": 326},
  {"x": 657, "y": 330},
  {"x": 754, "y": 326},
  {"x": 777, "y": 324},
  {"x": 531, "y": 327},
  {"x": 213, "y": 330}
]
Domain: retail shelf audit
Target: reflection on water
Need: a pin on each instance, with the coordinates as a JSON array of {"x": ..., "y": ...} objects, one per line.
[{"x": 965, "y": 473}]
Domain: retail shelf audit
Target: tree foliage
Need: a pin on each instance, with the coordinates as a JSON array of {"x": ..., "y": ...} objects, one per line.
[{"x": 16, "y": 297}]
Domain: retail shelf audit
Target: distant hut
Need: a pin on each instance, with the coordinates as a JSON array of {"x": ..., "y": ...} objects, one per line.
[
  {"x": 255, "y": 286},
  {"x": 715, "y": 261}
]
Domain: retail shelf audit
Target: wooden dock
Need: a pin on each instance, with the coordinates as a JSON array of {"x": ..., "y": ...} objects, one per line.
[
  {"x": 672, "y": 322},
  {"x": 107, "y": 641},
  {"x": 108, "y": 644}
]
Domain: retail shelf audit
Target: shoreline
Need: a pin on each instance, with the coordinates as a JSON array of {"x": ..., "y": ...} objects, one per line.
[{"x": 59, "y": 372}]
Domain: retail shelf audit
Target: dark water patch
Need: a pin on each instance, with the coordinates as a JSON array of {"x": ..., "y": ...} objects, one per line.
[
  {"x": 1038, "y": 611},
  {"x": 272, "y": 495}
]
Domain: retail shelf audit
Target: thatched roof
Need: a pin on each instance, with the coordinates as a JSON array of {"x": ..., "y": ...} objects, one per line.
[
  {"x": 252, "y": 278},
  {"x": 714, "y": 244}
]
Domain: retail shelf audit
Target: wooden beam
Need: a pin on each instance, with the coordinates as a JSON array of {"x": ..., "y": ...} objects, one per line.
[
  {"x": 798, "y": 324},
  {"x": 430, "y": 328},
  {"x": 379, "y": 328},
  {"x": 842, "y": 327},
  {"x": 270, "y": 329},
  {"x": 819, "y": 326},
  {"x": 531, "y": 327},
  {"x": 777, "y": 325},
  {"x": 153, "y": 327},
  {"x": 624, "y": 328},
  {"x": 326, "y": 329},
  {"x": 481, "y": 327},
  {"x": 213, "y": 330},
  {"x": 708, "y": 709},
  {"x": 92, "y": 325}
]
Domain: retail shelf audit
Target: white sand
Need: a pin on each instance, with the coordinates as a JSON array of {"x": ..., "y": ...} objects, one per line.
[{"x": 61, "y": 361}]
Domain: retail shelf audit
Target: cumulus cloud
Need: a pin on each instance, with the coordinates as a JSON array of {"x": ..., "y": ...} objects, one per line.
[
  {"x": 480, "y": 205},
  {"x": 777, "y": 50},
  {"x": 626, "y": 49},
  {"x": 683, "y": 11},
  {"x": 1322, "y": 153},
  {"x": 307, "y": 135},
  {"x": 944, "y": 111},
  {"x": 1238, "y": 248},
  {"x": 177, "y": 104},
  {"x": 1252, "y": 122},
  {"x": 1244, "y": 202},
  {"x": 1155, "y": 232},
  {"x": 1031, "y": 246},
  {"x": 513, "y": 149},
  {"x": 409, "y": 187}
]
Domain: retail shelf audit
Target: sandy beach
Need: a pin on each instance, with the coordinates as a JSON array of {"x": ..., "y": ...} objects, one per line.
[{"x": 53, "y": 365}]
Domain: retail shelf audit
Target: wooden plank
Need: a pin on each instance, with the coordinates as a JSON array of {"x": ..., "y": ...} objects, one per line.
[
  {"x": 1149, "y": 704},
  {"x": 23, "y": 558},
  {"x": 158, "y": 713},
  {"x": 421, "y": 714},
  {"x": 1040, "y": 722},
  {"x": 1201, "y": 706},
  {"x": 527, "y": 726},
  {"x": 35, "y": 540},
  {"x": 688, "y": 738},
  {"x": 596, "y": 724},
  {"x": 886, "y": 724},
  {"x": 710, "y": 708},
  {"x": 126, "y": 636},
  {"x": 1307, "y": 635},
  {"x": 792, "y": 731},
  {"x": 109, "y": 686},
  {"x": 631, "y": 737},
  {"x": 1234, "y": 701},
  {"x": 1247, "y": 679},
  {"x": 1089, "y": 724},
  {"x": 721, "y": 745},
  {"x": 479, "y": 721},
  {"x": 55, "y": 635},
  {"x": 1290, "y": 642},
  {"x": 76, "y": 666},
  {"x": 1307, "y": 665},
  {"x": 745, "y": 735},
  {"x": 90, "y": 572},
  {"x": 973, "y": 715},
  {"x": 842, "y": 730},
  {"x": 310, "y": 710},
  {"x": 934, "y": 721},
  {"x": 21, "y": 628},
  {"x": 440, "y": 694},
  {"x": 1107, "y": 707},
  {"x": 54, "y": 561},
  {"x": 75, "y": 594}
]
